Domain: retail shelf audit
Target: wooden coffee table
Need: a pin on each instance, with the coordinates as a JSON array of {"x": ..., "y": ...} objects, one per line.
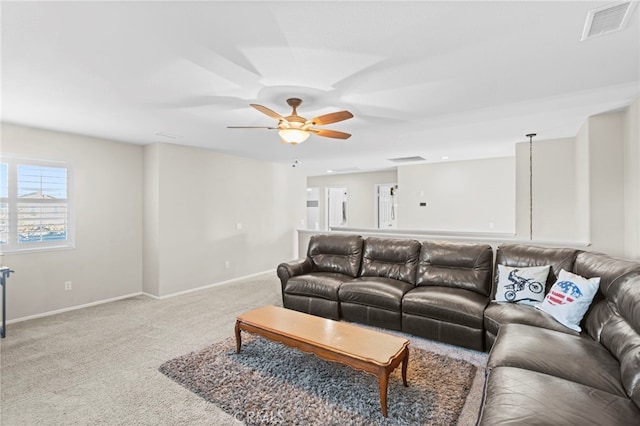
[{"x": 360, "y": 348}]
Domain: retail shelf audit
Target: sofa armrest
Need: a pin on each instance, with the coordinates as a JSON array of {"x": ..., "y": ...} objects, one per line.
[{"x": 291, "y": 269}]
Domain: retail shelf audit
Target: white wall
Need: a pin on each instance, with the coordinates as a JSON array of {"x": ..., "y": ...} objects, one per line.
[
  {"x": 107, "y": 260},
  {"x": 582, "y": 182},
  {"x": 631, "y": 123},
  {"x": 151, "y": 219},
  {"x": 554, "y": 198},
  {"x": 159, "y": 219},
  {"x": 361, "y": 207},
  {"x": 203, "y": 196},
  {"x": 474, "y": 196},
  {"x": 606, "y": 178}
]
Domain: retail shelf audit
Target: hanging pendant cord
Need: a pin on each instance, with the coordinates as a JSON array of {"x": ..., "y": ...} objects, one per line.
[{"x": 530, "y": 136}]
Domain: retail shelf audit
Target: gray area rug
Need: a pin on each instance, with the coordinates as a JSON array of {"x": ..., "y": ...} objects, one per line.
[{"x": 270, "y": 383}]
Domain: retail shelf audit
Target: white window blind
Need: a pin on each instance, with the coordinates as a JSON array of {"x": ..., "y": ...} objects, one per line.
[
  {"x": 35, "y": 206},
  {"x": 4, "y": 205}
]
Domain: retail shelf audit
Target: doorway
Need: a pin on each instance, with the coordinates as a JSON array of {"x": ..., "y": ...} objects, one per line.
[
  {"x": 387, "y": 206},
  {"x": 313, "y": 208},
  {"x": 336, "y": 207}
]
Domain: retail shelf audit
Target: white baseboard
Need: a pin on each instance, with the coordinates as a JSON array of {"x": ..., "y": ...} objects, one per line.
[
  {"x": 179, "y": 293},
  {"x": 127, "y": 296},
  {"x": 73, "y": 308}
]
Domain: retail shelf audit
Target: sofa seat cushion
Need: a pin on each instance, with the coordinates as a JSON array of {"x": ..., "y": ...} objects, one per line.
[
  {"x": 516, "y": 396},
  {"x": 318, "y": 284},
  {"x": 498, "y": 313},
  {"x": 454, "y": 305},
  {"x": 579, "y": 359},
  {"x": 379, "y": 292}
]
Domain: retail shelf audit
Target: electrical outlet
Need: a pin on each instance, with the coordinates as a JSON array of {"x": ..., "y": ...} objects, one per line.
[
  {"x": 67, "y": 286},
  {"x": 227, "y": 264}
]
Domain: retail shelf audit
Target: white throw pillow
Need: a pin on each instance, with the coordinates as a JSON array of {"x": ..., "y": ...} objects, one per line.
[
  {"x": 521, "y": 285},
  {"x": 569, "y": 299}
]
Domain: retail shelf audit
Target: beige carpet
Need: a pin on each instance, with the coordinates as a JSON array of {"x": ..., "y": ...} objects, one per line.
[{"x": 99, "y": 365}]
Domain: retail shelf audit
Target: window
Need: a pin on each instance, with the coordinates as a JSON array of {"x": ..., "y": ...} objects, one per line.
[{"x": 35, "y": 205}]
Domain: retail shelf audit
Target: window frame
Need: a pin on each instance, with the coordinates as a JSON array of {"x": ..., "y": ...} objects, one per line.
[{"x": 12, "y": 201}]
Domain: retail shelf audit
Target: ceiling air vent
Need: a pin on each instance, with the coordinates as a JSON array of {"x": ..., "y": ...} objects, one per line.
[
  {"x": 407, "y": 159},
  {"x": 346, "y": 170},
  {"x": 167, "y": 135},
  {"x": 607, "y": 19}
]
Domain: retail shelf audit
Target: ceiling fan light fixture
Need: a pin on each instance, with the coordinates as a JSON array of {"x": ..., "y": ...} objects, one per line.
[
  {"x": 293, "y": 136},
  {"x": 295, "y": 129}
]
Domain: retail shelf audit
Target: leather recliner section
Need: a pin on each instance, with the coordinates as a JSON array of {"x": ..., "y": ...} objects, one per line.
[
  {"x": 388, "y": 271},
  {"x": 519, "y": 255},
  {"x": 311, "y": 285},
  {"x": 453, "y": 284}
]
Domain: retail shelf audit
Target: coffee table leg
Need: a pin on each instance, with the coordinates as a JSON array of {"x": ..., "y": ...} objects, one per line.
[
  {"x": 238, "y": 338},
  {"x": 384, "y": 381},
  {"x": 405, "y": 362}
]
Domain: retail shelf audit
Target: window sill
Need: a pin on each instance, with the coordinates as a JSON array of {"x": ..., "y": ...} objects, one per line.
[{"x": 33, "y": 250}]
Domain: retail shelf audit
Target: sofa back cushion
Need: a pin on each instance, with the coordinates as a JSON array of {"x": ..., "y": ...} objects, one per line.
[
  {"x": 336, "y": 253},
  {"x": 614, "y": 316},
  {"x": 521, "y": 255},
  {"x": 390, "y": 258},
  {"x": 459, "y": 265},
  {"x": 616, "y": 325},
  {"x": 612, "y": 272},
  {"x": 609, "y": 269},
  {"x": 622, "y": 337}
]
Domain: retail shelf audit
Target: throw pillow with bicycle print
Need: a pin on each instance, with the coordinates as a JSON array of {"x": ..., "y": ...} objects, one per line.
[{"x": 523, "y": 285}]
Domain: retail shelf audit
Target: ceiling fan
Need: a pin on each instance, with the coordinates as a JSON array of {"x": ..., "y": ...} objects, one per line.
[{"x": 295, "y": 129}]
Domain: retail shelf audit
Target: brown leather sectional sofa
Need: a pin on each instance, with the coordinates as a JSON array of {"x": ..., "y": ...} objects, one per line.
[{"x": 539, "y": 371}]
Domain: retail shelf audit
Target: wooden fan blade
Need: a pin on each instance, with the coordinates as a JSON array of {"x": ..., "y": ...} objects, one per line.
[
  {"x": 267, "y": 111},
  {"x": 333, "y": 117},
  {"x": 330, "y": 133}
]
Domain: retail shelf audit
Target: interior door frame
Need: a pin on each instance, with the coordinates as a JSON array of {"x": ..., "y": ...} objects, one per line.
[
  {"x": 376, "y": 203},
  {"x": 327, "y": 210}
]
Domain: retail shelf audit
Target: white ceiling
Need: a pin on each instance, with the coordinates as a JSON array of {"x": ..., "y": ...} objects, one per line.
[{"x": 432, "y": 79}]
